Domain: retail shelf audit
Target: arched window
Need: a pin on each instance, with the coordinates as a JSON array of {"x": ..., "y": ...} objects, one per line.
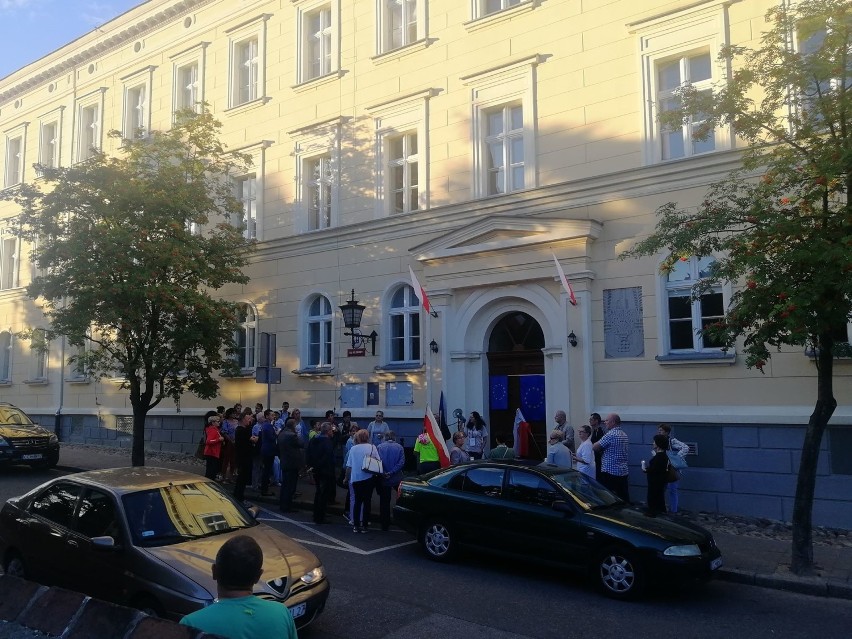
[
  {"x": 404, "y": 316},
  {"x": 245, "y": 336},
  {"x": 5, "y": 356},
  {"x": 318, "y": 333},
  {"x": 687, "y": 316}
]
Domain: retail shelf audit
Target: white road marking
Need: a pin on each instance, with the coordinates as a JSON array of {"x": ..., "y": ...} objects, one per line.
[{"x": 335, "y": 543}]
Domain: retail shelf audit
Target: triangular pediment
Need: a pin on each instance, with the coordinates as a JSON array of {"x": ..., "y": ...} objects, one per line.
[{"x": 505, "y": 233}]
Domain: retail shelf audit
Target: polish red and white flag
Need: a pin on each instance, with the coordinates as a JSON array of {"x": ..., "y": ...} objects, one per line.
[
  {"x": 434, "y": 432},
  {"x": 565, "y": 283},
  {"x": 419, "y": 291}
]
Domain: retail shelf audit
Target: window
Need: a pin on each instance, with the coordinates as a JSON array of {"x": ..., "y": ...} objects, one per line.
[
  {"x": 504, "y": 149},
  {"x": 686, "y": 316},
  {"x": 89, "y": 131},
  {"x": 680, "y": 49},
  {"x": 401, "y": 23},
  {"x": 694, "y": 69},
  {"x": 77, "y": 370},
  {"x": 245, "y": 336},
  {"x": 319, "y": 34},
  {"x": 404, "y": 316},
  {"x": 318, "y": 186},
  {"x": 14, "y": 160},
  {"x": 480, "y": 481},
  {"x": 493, "y": 6},
  {"x": 527, "y": 488},
  {"x": 57, "y": 503},
  {"x": 247, "y": 78},
  {"x": 40, "y": 348},
  {"x": 504, "y": 127},
  {"x": 490, "y": 11},
  {"x": 402, "y": 170},
  {"x": 188, "y": 78},
  {"x": 5, "y": 357},
  {"x": 49, "y": 144},
  {"x": 96, "y": 516},
  {"x": 9, "y": 258},
  {"x": 136, "y": 111},
  {"x": 246, "y": 192},
  {"x": 319, "y": 333}
]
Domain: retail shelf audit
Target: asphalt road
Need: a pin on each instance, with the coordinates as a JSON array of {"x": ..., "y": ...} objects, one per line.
[{"x": 384, "y": 587}]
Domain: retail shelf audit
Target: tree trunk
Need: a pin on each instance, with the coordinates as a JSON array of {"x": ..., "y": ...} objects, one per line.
[
  {"x": 137, "y": 455},
  {"x": 803, "y": 549}
]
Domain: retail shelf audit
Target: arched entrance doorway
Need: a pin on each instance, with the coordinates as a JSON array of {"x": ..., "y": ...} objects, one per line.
[{"x": 516, "y": 378}]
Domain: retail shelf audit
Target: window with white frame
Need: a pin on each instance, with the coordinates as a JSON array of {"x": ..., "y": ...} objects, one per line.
[
  {"x": 188, "y": 77},
  {"x": 493, "y": 6},
  {"x": 504, "y": 105},
  {"x": 319, "y": 181},
  {"x": 246, "y": 192},
  {"x": 687, "y": 316},
  {"x": 247, "y": 62},
  {"x": 317, "y": 152},
  {"x": 245, "y": 337},
  {"x": 319, "y": 35},
  {"x": 5, "y": 357},
  {"x": 404, "y": 319},
  {"x": 678, "y": 50},
  {"x": 401, "y": 154},
  {"x": 400, "y": 23},
  {"x": 77, "y": 363},
  {"x": 318, "y": 343},
  {"x": 136, "y": 111},
  {"x": 9, "y": 260},
  {"x": 48, "y": 155},
  {"x": 403, "y": 173},
  {"x": 14, "y": 159},
  {"x": 89, "y": 126},
  {"x": 39, "y": 349}
]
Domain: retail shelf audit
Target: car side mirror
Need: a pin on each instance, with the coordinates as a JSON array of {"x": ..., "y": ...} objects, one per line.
[
  {"x": 563, "y": 507},
  {"x": 104, "y": 543}
]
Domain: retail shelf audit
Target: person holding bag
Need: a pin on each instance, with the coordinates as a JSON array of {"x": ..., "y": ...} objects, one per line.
[
  {"x": 657, "y": 470},
  {"x": 361, "y": 482},
  {"x": 677, "y": 451}
]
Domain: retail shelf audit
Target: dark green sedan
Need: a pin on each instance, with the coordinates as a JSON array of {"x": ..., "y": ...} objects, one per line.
[{"x": 556, "y": 515}]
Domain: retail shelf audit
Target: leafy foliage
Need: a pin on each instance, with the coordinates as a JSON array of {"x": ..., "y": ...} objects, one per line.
[{"x": 131, "y": 249}]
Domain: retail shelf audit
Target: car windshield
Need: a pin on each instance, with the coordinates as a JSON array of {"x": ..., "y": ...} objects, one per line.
[
  {"x": 588, "y": 493},
  {"x": 12, "y": 415},
  {"x": 180, "y": 512}
]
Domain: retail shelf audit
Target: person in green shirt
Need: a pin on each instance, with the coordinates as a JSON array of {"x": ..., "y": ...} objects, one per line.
[
  {"x": 501, "y": 450},
  {"x": 237, "y": 613},
  {"x": 426, "y": 454}
]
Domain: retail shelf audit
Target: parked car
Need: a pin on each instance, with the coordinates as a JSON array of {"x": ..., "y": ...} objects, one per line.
[
  {"x": 22, "y": 441},
  {"x": 147, "y": 538},
  {"x": 555, "y": 515}
]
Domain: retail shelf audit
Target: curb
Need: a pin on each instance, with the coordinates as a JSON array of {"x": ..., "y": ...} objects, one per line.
[{"x": 802, "y": 585}]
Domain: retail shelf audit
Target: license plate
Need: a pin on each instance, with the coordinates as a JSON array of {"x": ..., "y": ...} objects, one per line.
[
  {"x": 716, "y": 563},
  {"x": 33, "y": 456},
  {"x": 298, "y": 611}
]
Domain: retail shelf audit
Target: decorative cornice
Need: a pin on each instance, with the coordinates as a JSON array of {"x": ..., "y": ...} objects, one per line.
[{"x": 109, "y": 43}]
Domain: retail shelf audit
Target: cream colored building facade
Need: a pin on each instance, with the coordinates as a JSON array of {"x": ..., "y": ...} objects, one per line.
[{"x": 469, "y": 140}]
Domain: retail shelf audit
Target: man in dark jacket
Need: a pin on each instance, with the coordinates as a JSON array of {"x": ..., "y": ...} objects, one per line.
[
  {"x": 290, "y": 454},
  {"x": 392, "y": 455},
  {"x": 244, "y": 446},
  {"x": 320, "y": 459}
]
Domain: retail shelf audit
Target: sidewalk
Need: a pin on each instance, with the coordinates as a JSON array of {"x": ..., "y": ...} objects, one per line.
[{"x": 748, "y": 560}]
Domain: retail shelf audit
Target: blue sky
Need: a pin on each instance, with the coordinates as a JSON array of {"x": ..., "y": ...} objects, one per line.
[{"x": 30, "y": 29}]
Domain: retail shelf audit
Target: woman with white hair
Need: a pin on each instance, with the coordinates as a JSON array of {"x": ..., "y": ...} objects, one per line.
[
  {"x": 585, "y": 455},
  {"x": 557, "y": 453}
]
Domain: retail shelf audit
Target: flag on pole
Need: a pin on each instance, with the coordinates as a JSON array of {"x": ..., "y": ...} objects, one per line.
[
  {"x": 419, "y": 291},
  {"x": 434, "y": 432},
  {"x": 520, "y": 427},
  {"x": 565, "y": 283},
  {"x": 442, "y": 418}
]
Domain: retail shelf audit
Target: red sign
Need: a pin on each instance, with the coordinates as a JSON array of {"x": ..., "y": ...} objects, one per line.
[{"x": 356, "y": 352}]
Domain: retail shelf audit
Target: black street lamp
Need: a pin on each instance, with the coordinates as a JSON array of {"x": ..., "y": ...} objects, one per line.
[{"x": 352, "y": 312}]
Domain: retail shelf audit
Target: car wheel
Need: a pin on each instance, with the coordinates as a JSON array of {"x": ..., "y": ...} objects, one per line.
[
  {"x": 149, "y": 606},
  {"x": 438, "y": 541},
  {"x": 619, "y": 574},
  {"x": 15, "y": 567}
]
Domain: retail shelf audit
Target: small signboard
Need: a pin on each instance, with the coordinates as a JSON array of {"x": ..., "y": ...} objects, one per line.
[
  {"x": 273, "y": 376},
  {"x": 356, "y": 352}
]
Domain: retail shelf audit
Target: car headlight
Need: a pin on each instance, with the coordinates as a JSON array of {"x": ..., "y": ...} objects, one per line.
[
  {"x": 313, "y": 576},
  {"x": 53, "y": 439},
  {"x": 690, "y": 550}
]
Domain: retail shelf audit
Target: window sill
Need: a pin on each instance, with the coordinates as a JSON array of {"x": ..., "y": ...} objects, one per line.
[
  {"x": 697, "y": 359},
  {"x": 400, "y": 368},
  {"x": 247, "y": 106},
  {"x": 82, "y": 381},
  {"x": 399, "y": 52},
  {"x": 243, "y": 374},
  {"x": 5, "y": 383},
  {"x": 313, "y": 372},
  {"x": 482, "y": 22},
  {"x": 811, "y": 354},
  {"x": 318, "y": 81},
  {"x": 38, "y": 381}
]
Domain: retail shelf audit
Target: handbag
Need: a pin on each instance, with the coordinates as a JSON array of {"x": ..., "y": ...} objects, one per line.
[
  {"x": 372, "y": 464},
  {"x": 672, "y": 474},
  {"x": 199, "y": 451},
  {"x": 676, "y": 460}
]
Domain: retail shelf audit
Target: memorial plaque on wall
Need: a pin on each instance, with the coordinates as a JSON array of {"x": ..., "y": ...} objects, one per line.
[{"x": 624, "y": 333}]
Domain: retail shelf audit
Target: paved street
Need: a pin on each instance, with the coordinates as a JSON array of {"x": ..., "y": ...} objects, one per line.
[{"x": 383, "y": 587}]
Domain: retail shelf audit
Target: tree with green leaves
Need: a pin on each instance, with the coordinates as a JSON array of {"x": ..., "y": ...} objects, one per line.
[
  {"x": 131, "y": 249},
  {"x": 780, "y": 227}
]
